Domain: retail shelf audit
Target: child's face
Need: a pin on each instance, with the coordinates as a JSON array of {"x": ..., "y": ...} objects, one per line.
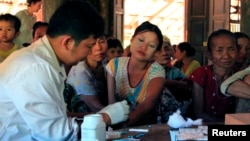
[
  {"x": 7, "y": 31},
  {"x": 114, "y": 52},
  {"x": 40, "y": 32},
  {"x": 224, "y": 51}
]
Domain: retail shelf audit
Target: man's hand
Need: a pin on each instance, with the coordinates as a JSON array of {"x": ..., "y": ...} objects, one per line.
[{"x": 118, "y": 112}]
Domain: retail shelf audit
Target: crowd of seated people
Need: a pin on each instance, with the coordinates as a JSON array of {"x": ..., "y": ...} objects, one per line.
[
  {"x": 188, "y": 86},
  {"x": 144, "y": 76}
]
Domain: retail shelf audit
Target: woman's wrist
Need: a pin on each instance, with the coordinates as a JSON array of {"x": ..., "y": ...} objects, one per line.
[{"x": 106, "y": 118}]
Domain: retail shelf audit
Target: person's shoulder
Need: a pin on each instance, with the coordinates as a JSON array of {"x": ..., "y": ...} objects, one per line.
[
  {"x": 176, "y": 70},
  {"x": 203, "y": 70},
  {"x": 173, "y": 68},
  {"x": 156, "y": 66},
  {"x": 120, "y": 59},
  {"x": 21, "y": 12},
  {"x": 16, "y": 46},
  {"x": 196, "y": 62},
  {"x": 80, "y": 66}
]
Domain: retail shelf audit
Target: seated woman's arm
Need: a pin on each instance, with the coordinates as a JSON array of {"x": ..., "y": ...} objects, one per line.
[
  {"x": 184, "y": 84},
  {"x": 111, "y": 88},
  {"x": 180, "y": 89},
  {"x": 92, "y": 101},
  {"x": 153, "y": 93},
  {"x": 199, "y": 104}
]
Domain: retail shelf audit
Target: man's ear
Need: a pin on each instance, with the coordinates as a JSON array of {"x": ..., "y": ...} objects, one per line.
[{"x": 68, "y": 43}]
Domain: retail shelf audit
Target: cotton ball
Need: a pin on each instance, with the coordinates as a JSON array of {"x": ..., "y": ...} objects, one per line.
[{"x": 176, "y": 120}]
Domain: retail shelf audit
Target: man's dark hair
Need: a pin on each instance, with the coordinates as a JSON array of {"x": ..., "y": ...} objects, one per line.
[{"x": 78, "y": 19}]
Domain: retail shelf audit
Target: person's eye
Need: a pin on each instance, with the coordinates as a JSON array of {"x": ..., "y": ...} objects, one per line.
[
  {"x": 232, "y": 49},
  {"x": 219, "y": 50},
  {"x": 140, "y": 40},
  {"x": 102, "y": 41},
  {"x": 152, "y": 46},
  {"x": 89, "y": 46}
]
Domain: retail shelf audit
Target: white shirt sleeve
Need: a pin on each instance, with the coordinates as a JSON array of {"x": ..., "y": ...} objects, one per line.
[
  {"x": 237, "y": 76},
  {"x": 39, "y": 100}
]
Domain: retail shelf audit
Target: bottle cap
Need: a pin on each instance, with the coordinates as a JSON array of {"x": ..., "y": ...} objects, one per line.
[{"x": 92, "y": 120}]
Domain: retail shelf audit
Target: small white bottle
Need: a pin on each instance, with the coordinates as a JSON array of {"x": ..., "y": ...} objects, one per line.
[{"x": 93, "y": 128}]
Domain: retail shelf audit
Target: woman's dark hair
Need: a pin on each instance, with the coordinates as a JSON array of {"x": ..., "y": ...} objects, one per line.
[
  {"x": 219, "y": 33},
  {"x": 185, "y": 46},
  {"x": 147, "y": 26}
]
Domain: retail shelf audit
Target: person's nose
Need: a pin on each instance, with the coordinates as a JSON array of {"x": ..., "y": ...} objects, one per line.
[
  {"x": 144, "y": 46},
  {"x": 98, "y": 46},
  {"x": 116, "y": 54},
  {"x": 3, "y": 31},
  {"x": 226, "y": 54}
]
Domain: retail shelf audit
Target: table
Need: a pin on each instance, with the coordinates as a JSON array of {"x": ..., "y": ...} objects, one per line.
[{"x": 157, "y": 132}]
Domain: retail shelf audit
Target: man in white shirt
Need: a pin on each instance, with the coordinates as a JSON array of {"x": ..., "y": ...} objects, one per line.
[{"x": 32, "y": 79}]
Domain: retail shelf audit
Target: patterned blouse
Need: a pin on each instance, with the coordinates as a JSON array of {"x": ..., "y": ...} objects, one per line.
[
  {"x": 216, "y": 104},
  {"x": 117, "y": 67}
]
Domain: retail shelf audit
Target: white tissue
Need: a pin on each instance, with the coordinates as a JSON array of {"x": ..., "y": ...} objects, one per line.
[
  {"x": 110, "y": 134},
  {"x": 177, "y": 121}
]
